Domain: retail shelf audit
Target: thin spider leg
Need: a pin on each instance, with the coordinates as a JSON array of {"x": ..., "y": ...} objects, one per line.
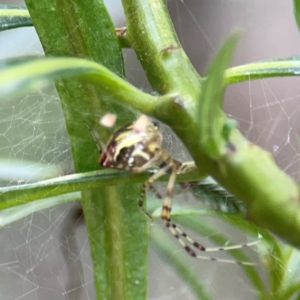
[
  {"x": 212, "y": 249},
  {"x": 166, "y": 214},
  {"x": 173, "y": 225},
  {"x": 176, "y": 231},
  {"x": 155, "y": 192},
  {"x": 196, "y": 244},
  {"x": 148, "y": 165},
  {"x": 227, "y": 261},
  {"x": 148, "y": 183},
  {"x": 233, "y": 247},
  {"x": 166, "y": 209},
  {"x": 142, "y": 198}
]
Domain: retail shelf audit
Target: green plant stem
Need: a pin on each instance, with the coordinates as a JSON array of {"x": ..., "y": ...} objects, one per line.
[{"x": 250, "y": 173}]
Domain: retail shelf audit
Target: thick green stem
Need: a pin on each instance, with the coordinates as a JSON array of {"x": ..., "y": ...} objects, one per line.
[{"x": 247, "y": 171}]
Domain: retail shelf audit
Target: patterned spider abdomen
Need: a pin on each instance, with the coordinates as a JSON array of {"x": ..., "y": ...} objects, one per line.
[{"x": 132, "y": 148}]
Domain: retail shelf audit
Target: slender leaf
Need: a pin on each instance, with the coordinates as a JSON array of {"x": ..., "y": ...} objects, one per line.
[
  {"x": 117, "y": 236},
  {"x": 26, "y": 74},
  {"x": 82, "y": 28},
  {"x": 20, "y": 194},
  {"x": 297, "y": 12},
  {"x": 293, "y": 292},
  {"x": 13, "y": 214},
  {"x": 13, "y": 17},
  {"x": 289, "y": 66},
  {"x": 27, "y": 171},
  {"x": 16, "y": 195},
  {"x": 211, "y": 120}
]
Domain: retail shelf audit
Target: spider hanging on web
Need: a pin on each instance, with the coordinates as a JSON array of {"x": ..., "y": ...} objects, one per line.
[{"x": 136, "y": 147}]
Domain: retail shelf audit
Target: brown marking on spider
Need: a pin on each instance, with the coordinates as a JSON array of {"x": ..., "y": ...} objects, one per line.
[
  {"x": 190, "y": 251},
  {"x": 166, "y": 208},
  {"x": 199, "y": 246}
]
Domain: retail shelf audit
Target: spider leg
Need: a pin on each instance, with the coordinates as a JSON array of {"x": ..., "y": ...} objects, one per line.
[
  {"x": 227, "y": 261},
  {"x": 196, "y": 244},
  {"x": 166, "y": 215},
  {"x": 212, "y": 249},
  {"x": 177, "y": 232},
  {"x": 142, "y": 198},
  {"x": 149, "y": 182},
  {"x": 155, "y": 192}
]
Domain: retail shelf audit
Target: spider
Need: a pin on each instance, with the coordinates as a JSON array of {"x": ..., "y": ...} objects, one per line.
[{"x": 136, "y": 147}]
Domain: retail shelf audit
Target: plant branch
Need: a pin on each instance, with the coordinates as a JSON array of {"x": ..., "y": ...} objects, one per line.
[{"x": 247, "y": 171}]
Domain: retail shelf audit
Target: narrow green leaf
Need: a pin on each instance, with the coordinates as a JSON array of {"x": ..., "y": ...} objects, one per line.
[
  {"x": 289, "y": 66},
  {"x": 211, "y": 119},
  {"x": 83, "y": 28},
  {"x": 22, "y": 75},
  {"x": 293, "y": 292},
  {"x": 27, "y": 171},
  {"x": 297, "y": 12},
  {"x": 13, "y": 17},
  {"x": 117, "y": 235},
  {"x": 291, "y": 278},
  {"x": 13, "y": 214},
  {"x": 20, "y": 194}
]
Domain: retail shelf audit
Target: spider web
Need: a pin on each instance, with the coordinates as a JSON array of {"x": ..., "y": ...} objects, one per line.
[{"x": 38, "y": 252}]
